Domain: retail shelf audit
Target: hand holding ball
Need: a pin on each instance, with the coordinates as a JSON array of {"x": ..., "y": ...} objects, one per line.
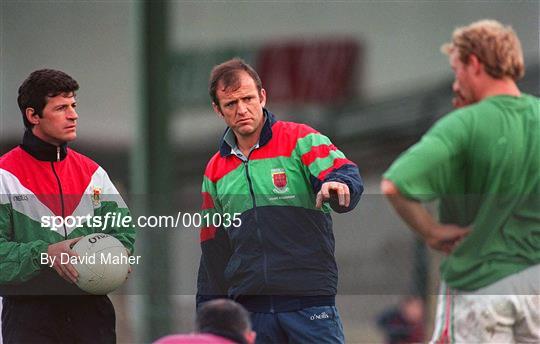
[{"x": 102, "y": 265}]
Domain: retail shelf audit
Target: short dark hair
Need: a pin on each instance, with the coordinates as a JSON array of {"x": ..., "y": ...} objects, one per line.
[
  {"x": 41, "y": 84},
  {"x": 225, "y": 318},
  {"x": 227, "y": 74}
]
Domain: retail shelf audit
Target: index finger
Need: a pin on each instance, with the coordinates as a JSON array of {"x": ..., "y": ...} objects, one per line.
[
  {"x": 73, "y": 241},
  {"x": 70, "y": 272},
  {"x": 347, "y": 195},
  {"x": 325, "y": 190},
  {"x": 319, "y": 200}
]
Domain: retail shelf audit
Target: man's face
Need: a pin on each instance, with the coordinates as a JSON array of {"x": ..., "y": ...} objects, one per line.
[
  {"x": 463, "y": 86},
  {"x": 242, "y": 108},
  {"x": 58, "y": 123}
]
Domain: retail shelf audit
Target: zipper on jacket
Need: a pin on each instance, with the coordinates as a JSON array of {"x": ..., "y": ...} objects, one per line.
[
  {"x": 60, "y": 188},
  {"x": 250, "y": 186},
  {"x": 259, "y": 235}
]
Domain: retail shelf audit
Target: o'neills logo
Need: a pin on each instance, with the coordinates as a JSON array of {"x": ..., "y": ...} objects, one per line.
[
  {"x": 321, "y": 316},
  {"x": 20, "y": 198},
  {"x": 279, "y": 179}
]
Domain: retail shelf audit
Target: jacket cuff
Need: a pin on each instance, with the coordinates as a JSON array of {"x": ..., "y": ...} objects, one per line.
[{"x": 40, "y": 248}]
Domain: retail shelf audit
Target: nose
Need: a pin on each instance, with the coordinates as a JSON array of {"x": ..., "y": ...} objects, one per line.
[
  {"x": 72, "y": 114},
  {"x": 242, "y": 108},
  {"x": 455, "y": 86}
]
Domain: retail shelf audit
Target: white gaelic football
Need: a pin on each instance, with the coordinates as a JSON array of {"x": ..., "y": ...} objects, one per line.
[{"x": 102, "y": 263}]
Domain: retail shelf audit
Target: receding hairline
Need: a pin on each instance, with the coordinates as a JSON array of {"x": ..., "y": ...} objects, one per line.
[
  {"x": 227, "y": 72},
  {"x": 236, "y": 84}
]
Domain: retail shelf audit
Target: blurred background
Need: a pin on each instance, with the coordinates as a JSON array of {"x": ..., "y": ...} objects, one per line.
[{"x": 367, "y": 74}]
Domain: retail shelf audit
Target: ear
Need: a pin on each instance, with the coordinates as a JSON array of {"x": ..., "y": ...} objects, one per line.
[
  {"x": 32, "y": 116},
  {"x": 262, "y": 95},
  {"x": 217, "y": 110},
  {"x": 250, "y": 336}
]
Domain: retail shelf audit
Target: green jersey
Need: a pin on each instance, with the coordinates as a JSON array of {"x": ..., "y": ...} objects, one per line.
[{"x": 482, "y": 162}]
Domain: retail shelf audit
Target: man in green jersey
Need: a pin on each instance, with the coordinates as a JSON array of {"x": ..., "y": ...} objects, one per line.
[{"x": 482, "y": 162}]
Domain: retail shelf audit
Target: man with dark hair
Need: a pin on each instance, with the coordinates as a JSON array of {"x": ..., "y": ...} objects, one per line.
[
  {"x": 219, "y": 321},
  {"x": 41, "y": 84},
  {"x": 225, "y": 318},
  {"x": 482, "y": 162},
  {"x": 267, "y": 238},
  {"x": 44, "y": 178}
]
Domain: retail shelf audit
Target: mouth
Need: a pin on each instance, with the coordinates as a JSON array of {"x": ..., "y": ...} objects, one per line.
[
  {"x": 71, "y": 127},
  {"x": 459, "y": 101},
  {"x": 244, "y": 121}
]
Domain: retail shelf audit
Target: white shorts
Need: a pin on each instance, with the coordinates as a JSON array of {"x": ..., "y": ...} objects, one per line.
[{"x": 507, "y": 311}]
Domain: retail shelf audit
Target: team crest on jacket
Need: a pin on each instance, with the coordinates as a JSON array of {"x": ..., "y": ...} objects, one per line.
[
  {"x": 96, "y": 196},
  {"x": 279, "y": 179}
]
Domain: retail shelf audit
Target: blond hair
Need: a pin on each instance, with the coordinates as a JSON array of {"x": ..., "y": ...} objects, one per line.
[{"x": 495, "y": 45}]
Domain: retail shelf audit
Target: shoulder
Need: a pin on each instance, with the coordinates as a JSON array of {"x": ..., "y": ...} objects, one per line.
[
  {"x": 459, "y": 119},
  {"x": 486, "y": 107},
  {"x": 468, "y": 117},
  {"x": 213, "y": 163},
  {"x": 219, "y": 166},
  {"x": 14, "y": 156},
  {"x": 82, "y": 166},
  {"x": 288, "y": 135},
  {"x": 82, "y": 160},
  {"x": 10, "y": 166},
  {"x": 293, "y": 129},
  {"x": 531, "y": 98}
]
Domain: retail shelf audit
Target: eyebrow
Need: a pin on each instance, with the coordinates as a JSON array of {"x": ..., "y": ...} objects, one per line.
[{"x": 62, "y": 105}]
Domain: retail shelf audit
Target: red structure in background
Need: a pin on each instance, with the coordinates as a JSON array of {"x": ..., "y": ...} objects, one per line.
[{"x": 315, "y": 71}]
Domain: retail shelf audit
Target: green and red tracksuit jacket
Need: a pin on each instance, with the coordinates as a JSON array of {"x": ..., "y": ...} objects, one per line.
[
  {"x": 281, "y": 257},
  {"x": 40, "y": 180}
]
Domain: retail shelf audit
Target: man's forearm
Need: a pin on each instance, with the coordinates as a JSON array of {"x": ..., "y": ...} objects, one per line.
[
  {"x": 413, "y": 213},
  {"x": 439, "y": 237}
]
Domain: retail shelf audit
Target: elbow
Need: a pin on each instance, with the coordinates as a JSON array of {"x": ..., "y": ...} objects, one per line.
[{"x": 388, "y": 188}]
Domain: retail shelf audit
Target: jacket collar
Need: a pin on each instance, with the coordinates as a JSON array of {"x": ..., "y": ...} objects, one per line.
[
  {"x": 266, "y": 134},
  {"x": 42, "y": 150}
]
